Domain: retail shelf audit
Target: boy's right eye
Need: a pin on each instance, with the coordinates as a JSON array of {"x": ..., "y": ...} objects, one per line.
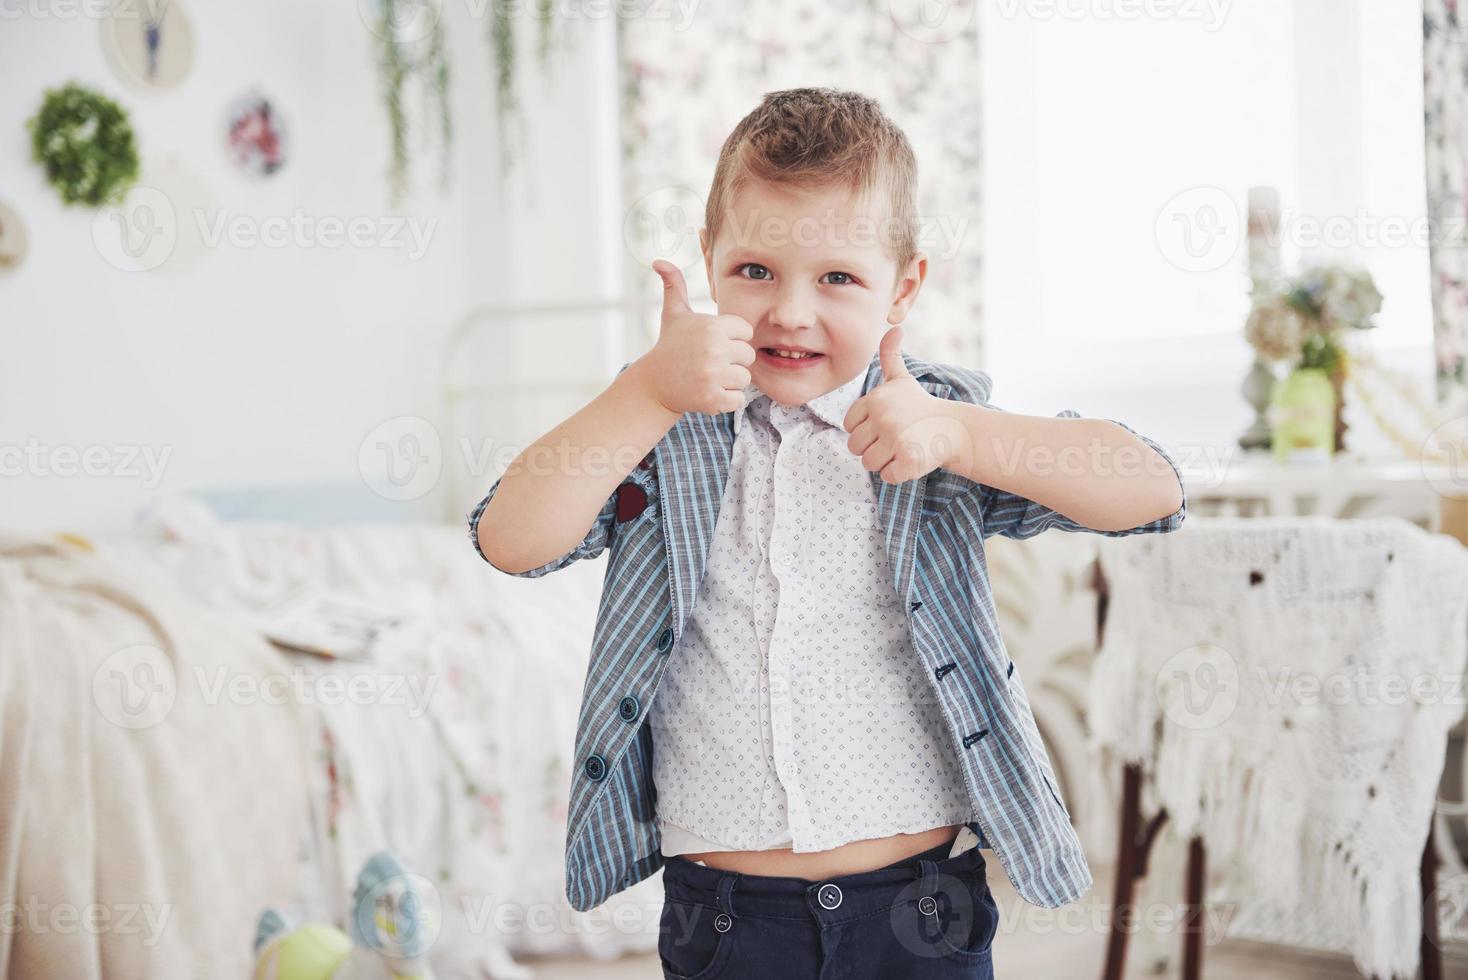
[{"x": 754, "y": 266}]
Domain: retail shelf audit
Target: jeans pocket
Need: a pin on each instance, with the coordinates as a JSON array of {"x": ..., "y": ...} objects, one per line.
[
  {"x": 969, "y": 918},
  {"x": 693, "y": 940}
]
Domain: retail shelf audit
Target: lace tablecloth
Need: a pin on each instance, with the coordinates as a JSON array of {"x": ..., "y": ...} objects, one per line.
[{"x": 1288, "y": 685}]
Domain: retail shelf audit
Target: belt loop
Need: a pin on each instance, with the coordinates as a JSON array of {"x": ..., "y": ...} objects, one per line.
[
  {"x": 726, "y": 893},
  {"x": 927, "y": 871}
]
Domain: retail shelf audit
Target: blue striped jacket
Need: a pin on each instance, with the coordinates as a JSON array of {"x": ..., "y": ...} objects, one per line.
[{"x": 934, "y": 529}]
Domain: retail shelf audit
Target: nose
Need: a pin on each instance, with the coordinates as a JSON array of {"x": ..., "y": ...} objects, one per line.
[{"x": 794, "y": 308}]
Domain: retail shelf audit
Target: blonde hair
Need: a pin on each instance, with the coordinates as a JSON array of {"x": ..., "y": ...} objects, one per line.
[{"x": 816, "y": 137}]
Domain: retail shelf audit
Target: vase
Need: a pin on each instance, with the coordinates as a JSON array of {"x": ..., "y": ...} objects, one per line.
[{"x": 1303, "y": 416}]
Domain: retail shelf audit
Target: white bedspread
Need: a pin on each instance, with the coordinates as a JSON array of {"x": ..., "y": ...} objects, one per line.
[{"x": 454, "y": 752}]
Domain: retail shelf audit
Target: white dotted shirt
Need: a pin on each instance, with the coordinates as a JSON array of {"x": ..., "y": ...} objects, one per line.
[{"x": 795, "y": 711}]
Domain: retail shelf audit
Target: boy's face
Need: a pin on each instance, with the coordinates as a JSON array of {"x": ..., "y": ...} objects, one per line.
[{"x": 810, "y": 270}]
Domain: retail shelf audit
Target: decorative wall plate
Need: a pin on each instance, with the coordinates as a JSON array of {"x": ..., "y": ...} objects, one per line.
[
  {"x": 149, "y": 43},
  {"x": 257, "y": 135},
  {"x": 13, "y": 242}
]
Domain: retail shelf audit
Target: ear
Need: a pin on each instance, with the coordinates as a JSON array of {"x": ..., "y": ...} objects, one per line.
[
  {"x": 708, "y": 263},
  {"x": 909, "y": 284}
]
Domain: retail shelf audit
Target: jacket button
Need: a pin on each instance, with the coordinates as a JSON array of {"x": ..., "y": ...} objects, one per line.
[
  {"x": 628, "y": 708},
  {"x": 665, "y": 640},
  {"x": 596, "y": 767}
]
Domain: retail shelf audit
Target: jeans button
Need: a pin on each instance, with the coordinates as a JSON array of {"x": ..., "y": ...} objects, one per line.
[
  {"x": 722, "y": 922},
  {"x": 829, "y": 896},
  {"x": 927, "y": 905}
]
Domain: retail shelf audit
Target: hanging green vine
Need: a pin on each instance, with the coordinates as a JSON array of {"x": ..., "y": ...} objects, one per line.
[
  {"x": 398, "y": 65},
  {"x": 85, "y": 143}
]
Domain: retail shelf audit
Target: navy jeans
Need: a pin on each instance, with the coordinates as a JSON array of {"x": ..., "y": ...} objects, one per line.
[{"x": 927, "y": 916}]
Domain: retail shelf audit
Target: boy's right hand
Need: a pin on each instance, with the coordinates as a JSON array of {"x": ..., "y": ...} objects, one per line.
[{"x": 700, "y": 362}]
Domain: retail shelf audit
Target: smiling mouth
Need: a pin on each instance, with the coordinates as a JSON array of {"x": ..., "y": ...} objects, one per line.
[{"x": 790, "y": 355}]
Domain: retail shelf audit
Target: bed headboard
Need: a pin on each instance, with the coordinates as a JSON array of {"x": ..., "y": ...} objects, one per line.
[{"x": 511, "y": 373}]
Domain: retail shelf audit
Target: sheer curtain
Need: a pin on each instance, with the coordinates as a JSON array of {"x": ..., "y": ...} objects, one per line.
[{"x": 1445, "y": 75}]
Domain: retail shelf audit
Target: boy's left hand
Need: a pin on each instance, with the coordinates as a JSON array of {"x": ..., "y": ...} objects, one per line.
[{"x": 899, "y": 429}]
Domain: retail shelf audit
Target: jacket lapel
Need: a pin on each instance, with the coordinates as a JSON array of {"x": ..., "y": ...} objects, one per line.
[
  {"x": 693, "y": 467},
  {"x": 900, "y": 505}
]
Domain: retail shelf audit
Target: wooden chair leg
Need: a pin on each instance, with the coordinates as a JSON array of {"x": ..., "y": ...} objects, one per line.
[
  {"x": 1431, "y": 953},
  {"x": 1134, "y": 843},
  {"x": 1195, "y": 921},
  {"x": 1126, "y": 866}
]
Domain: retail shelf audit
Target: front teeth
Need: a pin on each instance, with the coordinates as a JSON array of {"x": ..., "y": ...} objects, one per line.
[{"x": 794, "y": 355}]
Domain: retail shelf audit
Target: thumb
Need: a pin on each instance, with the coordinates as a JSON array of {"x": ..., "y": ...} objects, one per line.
[
  {"x": 891, "y": 353},
  {"x": 675, "y": 290}
]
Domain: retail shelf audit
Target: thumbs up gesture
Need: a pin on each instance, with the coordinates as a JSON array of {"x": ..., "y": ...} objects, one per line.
[
  {"x": 700, "y": 363},
  {"x": 897, "y": 428}
]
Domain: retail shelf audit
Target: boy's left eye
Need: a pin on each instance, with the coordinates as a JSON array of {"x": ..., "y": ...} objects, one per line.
[{"x": 845, "y": 278}]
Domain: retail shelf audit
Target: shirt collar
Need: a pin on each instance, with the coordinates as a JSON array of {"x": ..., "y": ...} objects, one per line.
[{"x": 830, "y": 407}]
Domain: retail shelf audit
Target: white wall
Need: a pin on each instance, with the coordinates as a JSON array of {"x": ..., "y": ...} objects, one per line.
[
  {"x": 269, "y": 365},
  {"x": 1096, "y": 124}
]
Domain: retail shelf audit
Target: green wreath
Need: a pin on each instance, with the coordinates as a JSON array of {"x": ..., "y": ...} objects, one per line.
[{"x": 85, "y": 142}]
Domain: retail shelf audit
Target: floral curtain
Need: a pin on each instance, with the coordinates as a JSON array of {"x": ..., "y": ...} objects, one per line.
[
  {"x": 1445, "y": 75},
  {"x": 688, "y": 81}
]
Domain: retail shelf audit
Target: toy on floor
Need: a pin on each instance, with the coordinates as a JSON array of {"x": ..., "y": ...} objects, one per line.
[{"x": 392, "y": 929}]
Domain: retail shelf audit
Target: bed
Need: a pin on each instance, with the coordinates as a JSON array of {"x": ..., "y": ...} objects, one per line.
[{"x": 166, "y": 772}]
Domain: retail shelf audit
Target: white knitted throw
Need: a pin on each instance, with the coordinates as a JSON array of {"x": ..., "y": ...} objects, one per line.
[{"x": 1288, "y": 685}]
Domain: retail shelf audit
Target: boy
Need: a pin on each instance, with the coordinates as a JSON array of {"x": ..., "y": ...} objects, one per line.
[{"x": 794, "y": 508}]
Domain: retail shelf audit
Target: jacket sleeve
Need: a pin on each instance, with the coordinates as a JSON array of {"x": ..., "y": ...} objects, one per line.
[
  {"x": 1012, "y": 516},
  {"x": 592, "y": 545}
]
